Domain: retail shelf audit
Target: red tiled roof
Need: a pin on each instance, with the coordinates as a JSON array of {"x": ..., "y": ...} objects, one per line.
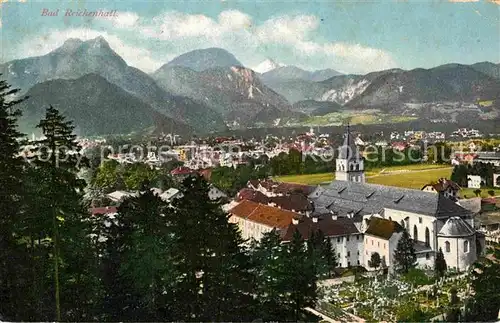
[
  {"x": 103, "y": 210},
  {"x": 295, "y": 202},
  {"x": 263, "y": 214},
  {"x": 252, "y": 195},
  {"x": 382, "y": 228},
  {"x": 328, "y": 226}
]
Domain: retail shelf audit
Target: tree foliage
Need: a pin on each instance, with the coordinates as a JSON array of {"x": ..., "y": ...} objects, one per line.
[
  {"x": 440, "y": 264},
  {"x": 404, "y": 255}
]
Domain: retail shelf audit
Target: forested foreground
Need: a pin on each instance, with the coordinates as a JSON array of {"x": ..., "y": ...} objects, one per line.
[{"x": 153, "y": 261}]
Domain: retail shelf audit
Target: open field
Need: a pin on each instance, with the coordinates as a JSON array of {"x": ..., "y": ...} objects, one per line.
[
  {"x": 309, "y": 179},
  {"x": 412, "y": 179},
  {"x": 365, "y": 117},
  {"x": 416, "y": 177},
  {"x": 469, "y": 192}
]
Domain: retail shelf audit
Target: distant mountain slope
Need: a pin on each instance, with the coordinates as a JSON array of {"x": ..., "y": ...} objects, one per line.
[
  {"x": 234, "y": 92},
  {"x": 203, "y": 59},
  {"x": 316, "y": 108},
  {"x": 452, "y": 82},
  {"x": 295, "y": 73},
  {"x": 296, "y": 84},
  {"x": 343, "y": 88},
  {"x": 488, "y": 68},
  {"x": 96, "y": 106},
  {"x": 77, "y": 58}
]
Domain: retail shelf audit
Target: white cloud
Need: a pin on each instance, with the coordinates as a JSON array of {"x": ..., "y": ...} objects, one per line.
[
  {"x": 293, "y": 35},
  {"x": 289, "y": 39},
  {"x": 134, "y": 56},
  {"x": 124, "y": 19}
]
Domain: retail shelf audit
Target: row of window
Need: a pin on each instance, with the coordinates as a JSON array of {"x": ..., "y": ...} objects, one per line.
[
  {"x": 347, "y": 238},
  {"x": 351, "y": 167},
  {"x": 378, "y": 243},
  {"x": 447, "y": 247}
]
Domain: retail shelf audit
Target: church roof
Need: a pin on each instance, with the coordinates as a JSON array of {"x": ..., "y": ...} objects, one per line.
[
  {"x": 363, "y": 198},
  {"x": 456, "y": 227},
  {"x": 349, "y": 150},
  {"x": 382, "y": 228}
]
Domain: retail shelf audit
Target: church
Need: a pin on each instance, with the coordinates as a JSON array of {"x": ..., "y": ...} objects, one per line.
[{"x": 380, "y": 214}]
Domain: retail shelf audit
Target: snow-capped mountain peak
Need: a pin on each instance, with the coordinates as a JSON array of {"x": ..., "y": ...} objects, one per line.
[{"x": 267, "y": 65}]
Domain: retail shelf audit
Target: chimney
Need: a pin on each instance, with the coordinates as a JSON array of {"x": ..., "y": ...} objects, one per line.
[
  {"x": 334, "y": 216},
  {"x": 295, "y": 221},
  {"x": 315, "y": 219}
]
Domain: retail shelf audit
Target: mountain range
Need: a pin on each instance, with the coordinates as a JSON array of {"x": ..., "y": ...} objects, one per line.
[{"x": 210, "y": 90}]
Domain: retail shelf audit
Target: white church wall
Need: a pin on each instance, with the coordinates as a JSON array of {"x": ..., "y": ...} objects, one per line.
[
  {"x": 456, "y": 256},
  {"x": 420, "y": 221}
]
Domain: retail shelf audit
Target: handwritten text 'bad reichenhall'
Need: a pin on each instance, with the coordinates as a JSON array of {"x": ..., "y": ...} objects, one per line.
[{"x": 79, "y": 13}]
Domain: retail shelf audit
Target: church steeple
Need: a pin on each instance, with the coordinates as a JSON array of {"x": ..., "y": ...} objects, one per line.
[{"x": 349, "y": 164}]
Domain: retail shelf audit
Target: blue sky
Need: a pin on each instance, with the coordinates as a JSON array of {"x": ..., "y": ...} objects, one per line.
[{"x": 349, "y": 36}]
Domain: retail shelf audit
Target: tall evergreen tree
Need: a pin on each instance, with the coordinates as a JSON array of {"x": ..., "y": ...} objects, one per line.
[
  {"x": 268, "y": 257},
  {"x": 137, "y": 264},
  {"x": 58, "y": 161},
  {"x": 440, "y": 264},
  {"x": 485, "y": 281},
  {"x": 301, "y": 276},
  {"x": 404, "y": 255},
  {"x": 13, "y": 255},
  {"x": 213, "y": 266}
]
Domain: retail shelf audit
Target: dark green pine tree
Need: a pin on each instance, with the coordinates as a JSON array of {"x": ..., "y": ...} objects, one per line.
[
  {"x": 485, "y": 281},
  {"x": 214, "y": 282},
  {"x": 268, "y": 258},
  {"x": 329, "y": 256},
  {"x": 321, "y": 253},
  {"x": 404, "y": 255},
  {"x": 14, "y": 259},
  {"x": 300, "y": 276},
  {"x": 58, "y": 160},
  {"x": 440, "y": 264},
  {"x": 138, "y": 271}
]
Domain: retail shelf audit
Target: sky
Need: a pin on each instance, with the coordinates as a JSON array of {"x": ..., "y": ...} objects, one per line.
[{"x": 348, "y": 36}]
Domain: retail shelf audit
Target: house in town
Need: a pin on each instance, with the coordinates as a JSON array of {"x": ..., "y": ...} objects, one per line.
[
  {"x": 444, "y": 186},
  {"x": 345, "y": 237},
  {"x": 255, "y": 219},
  {"x": 474, "y": 181},
  {"x": 381, "y": 236}
]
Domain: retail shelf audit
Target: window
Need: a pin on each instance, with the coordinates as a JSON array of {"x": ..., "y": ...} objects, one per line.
[
  {"x": 447, "y": 246},
  {"x": 384, "y": 245},
  {"x": 366, "y": 252},
  {"x": 351, "y": 167},
  {"x": 427, "y": 237},
  {"x": 358, "y": 252},
  {"x": 420, "y": 220},
  {"x": 348, "y": 264},
  {"x": 338, "y": 255},
  {"x": 378, "y": 244},
  {"x": 466, "y": 246},
  {"x": 338, "y": 239},
  {"x": 415, "y": 233},
  {"x": 348, "y": 254},
  {"x": 357, "y": 238},
  {"x": 358, "y": 263},
  {"x": 357, "y": 166},
  {"x": 372, "y": 242},
  {"x": 347, "y": 238},
  {"x": 426, "y": 255}
]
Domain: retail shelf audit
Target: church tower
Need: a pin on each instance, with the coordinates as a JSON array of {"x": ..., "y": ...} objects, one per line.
[{"x": 349, "y": 163}]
